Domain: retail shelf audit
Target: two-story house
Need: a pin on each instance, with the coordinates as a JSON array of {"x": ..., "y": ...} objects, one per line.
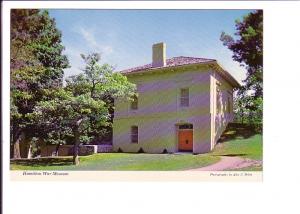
[{"x": 183, "y": 104}]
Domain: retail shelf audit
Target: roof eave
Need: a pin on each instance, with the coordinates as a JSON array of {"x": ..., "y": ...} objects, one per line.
[
  {"x": 151, "y": 70},
  {"x": 226, "y": 75},
  {"x": 215, "y": 65}
]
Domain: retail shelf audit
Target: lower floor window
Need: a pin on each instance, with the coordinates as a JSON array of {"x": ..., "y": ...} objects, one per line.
[{"x": 134, "y": 134}]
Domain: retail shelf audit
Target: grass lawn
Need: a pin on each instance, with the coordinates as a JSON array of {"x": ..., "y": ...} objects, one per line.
[
  {"x": 246, "y": 148},
  {"x": 241, "y": 141},
  {"x": 119, "y": 161}
]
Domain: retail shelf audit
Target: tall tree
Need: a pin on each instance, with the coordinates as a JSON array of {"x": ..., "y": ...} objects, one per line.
[
  {"x": 247, "y": 48},
  {"x": 102, "y": 83},
  {"x": 37, "y": 65},
  {"x": 83, "y": 107}
]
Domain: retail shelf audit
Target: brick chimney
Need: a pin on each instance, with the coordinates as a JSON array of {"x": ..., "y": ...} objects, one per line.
[{"x": 159, "y": 55}]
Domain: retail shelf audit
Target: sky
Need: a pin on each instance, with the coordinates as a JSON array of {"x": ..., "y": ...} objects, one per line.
[{"x": 125, "y": 37}]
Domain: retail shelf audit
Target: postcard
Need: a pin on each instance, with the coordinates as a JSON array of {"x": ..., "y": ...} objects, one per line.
[{"x": 176, "y": 93}]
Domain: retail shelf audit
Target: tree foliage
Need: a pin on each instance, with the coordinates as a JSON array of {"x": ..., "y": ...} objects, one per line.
[
  {"x": 101, "y": 83},
  {"x": 41, "y": 107},
  {"x": 37, "y": 65},
  {"x": 67, "y": 114},
  {"x": 83, "y": 107},
  {"x": 247, "y": 48}
]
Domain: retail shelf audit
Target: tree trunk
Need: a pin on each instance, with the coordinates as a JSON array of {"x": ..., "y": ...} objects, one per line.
[
  {"x": 29, "y": 154},
  {"x": 18, "y": 138},
  {"x": 56, "y": 149},
  {"x": 77, "y": 142},
  {"x": 76, "y": 147},
  {"x": 17, "y": 153},
  {"x": 242, "y": 113}
]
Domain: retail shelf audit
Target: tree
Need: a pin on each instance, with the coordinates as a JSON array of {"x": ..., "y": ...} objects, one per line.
[
  {"x": 247, "y": 49},
  {"x": 37, "y": 65},
  {"x": 69, "y": 114},
  {"x": 81, "y": 108},
  {"x": 102, "y": 84}
]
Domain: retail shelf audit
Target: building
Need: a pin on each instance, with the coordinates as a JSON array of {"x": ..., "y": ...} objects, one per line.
[{"x": 183, "y": 104}]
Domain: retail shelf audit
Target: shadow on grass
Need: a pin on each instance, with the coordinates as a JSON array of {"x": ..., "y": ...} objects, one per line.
[
  {"x": 55, "y": 161},
  {"x": 233, "y": 155},
  {"x": 239, "y": 131},
  {"x": 230, "y": 155}
]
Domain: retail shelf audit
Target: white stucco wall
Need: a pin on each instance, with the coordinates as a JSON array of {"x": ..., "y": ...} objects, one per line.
[
  {"x": 220, "y": 114},
  {"x": 159, "y": 111}
]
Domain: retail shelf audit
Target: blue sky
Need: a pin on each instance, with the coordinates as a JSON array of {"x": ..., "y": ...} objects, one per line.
[{"x": 125, "y": 37}]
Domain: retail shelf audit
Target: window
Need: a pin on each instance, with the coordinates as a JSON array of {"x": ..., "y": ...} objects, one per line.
[
  {"x": 134, "y": 134},
  {"x": 184, "y": 97},
  {"x": 229, "y": 104},
  {"x": 218, "y": 101},
  {"x": 134, "y": 103}
]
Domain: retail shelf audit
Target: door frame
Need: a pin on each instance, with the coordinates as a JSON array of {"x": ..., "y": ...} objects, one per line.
[{"x": 178, "y": 129}]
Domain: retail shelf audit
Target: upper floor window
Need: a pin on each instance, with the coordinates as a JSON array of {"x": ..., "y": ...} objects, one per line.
[
  {"x": 134, "y": 134},
  {"x": 134, "y": 103},
  {"x": 184, "y": 97},
  {"x": 219, "y": 101},
  {"x": 229, "y": 104}
]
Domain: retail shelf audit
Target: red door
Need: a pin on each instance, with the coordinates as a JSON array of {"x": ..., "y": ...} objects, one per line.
[{"x": 185, "y": 138}]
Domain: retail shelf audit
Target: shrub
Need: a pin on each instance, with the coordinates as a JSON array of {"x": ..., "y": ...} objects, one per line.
[
  {"x": 165, "y": 151},
  {"x": 141, "y": 150}
]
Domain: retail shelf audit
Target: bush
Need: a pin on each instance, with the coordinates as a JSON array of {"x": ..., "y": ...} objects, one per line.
[
  {"x": 141, "y": 150},
  {"x": 165, "y": 151}
]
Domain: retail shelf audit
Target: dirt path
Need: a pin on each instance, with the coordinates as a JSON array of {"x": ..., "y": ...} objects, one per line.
[{"x": 227, "y": 162}]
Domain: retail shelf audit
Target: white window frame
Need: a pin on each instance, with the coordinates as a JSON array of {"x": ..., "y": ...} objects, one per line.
[
  {"x": 134, "y": 135},
  {"x": 185, "y": 98},
  {"x": 135, "y": 100}
]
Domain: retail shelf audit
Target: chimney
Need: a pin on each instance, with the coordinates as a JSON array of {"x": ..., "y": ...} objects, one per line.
[{"x": 159, "y": 55}]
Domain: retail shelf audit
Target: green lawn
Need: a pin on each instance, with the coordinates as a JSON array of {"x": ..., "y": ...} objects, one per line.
[
  {"x": 120, "y": 161},
  {"x": 246, "y": 148}
]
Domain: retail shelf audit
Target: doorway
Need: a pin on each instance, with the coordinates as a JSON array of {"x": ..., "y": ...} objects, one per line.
[{"x": 185, "y": 138}]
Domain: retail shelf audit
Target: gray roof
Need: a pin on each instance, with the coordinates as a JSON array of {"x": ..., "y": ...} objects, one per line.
[
  {"x": 179, "y": 61},
  {"x": 175, "y": 61}
]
